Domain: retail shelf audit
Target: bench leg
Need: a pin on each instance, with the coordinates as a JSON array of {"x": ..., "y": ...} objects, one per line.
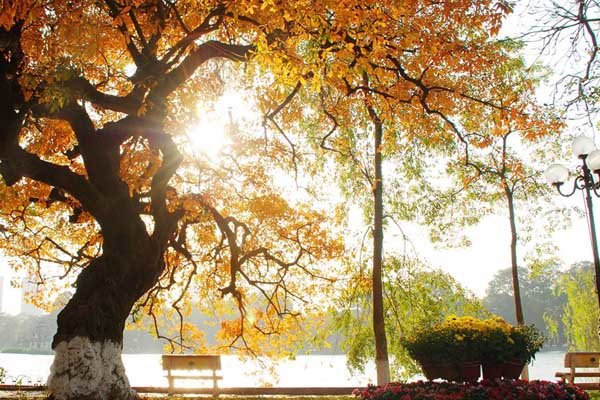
[
  {"x": 171, "y": 383},
  {"x": 215, "y": 388},
  {"x": 571, "y": 378}
]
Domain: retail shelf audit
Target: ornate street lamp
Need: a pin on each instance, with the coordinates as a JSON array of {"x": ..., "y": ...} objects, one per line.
[{"x": 557, "y": 175}]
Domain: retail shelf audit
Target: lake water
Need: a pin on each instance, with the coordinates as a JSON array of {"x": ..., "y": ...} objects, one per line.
[{"x": 313, "y": 370}]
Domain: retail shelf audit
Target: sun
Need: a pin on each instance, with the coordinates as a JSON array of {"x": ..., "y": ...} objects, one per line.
[{"x": 210, "y": 134}]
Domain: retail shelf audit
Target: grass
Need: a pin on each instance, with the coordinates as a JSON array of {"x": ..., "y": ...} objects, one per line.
[{"x": 594, "y": 394}]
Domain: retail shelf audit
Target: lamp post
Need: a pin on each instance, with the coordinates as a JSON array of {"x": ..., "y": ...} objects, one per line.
[{"x": 557, "y": 174}]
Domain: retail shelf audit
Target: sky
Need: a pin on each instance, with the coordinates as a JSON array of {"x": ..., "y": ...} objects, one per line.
[
  {"x": 11, "y": 301},
  {"x": 474, "y": 266}
]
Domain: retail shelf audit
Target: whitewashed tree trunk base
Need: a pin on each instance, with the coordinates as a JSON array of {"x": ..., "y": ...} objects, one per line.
[
  {"x": 83, "y": 369},
  {"x": 383, "y": 372}
]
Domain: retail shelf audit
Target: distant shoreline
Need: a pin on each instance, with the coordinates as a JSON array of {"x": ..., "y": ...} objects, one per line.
[
  {"x": 154, "y": 351},
  {"x": 22, "y": 351},
  {"x": 51, "y": 352}
]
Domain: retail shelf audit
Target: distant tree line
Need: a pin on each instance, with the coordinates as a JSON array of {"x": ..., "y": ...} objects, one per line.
[
  {"x": 33, "y": 334},
  {"x": 560, "y": 303},
  {"x": 26, "y": 333}
]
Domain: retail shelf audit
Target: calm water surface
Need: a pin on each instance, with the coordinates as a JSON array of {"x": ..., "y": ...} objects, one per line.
[{"x": 314, "y": 370}]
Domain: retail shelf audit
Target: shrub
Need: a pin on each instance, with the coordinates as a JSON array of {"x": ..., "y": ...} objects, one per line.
[{"x": 471, "y": 339}]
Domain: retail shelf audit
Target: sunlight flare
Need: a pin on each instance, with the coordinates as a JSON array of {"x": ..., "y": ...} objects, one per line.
[
  {"x": 208, "y": 136},
  {"x": 211, "y": 133}
]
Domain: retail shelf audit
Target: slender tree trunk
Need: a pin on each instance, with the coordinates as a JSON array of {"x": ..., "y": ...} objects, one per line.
[
  {"x": 514, "y": 264},
  {"x": 89, "y": 340},
  {"x": 381, "y": 351},
  {"x": 513, "y": 258}
]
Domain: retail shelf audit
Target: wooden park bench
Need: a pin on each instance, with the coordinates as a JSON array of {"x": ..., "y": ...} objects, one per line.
[
  {"x": 577, "y": 360},
  {"x": 192, "y": 362}
]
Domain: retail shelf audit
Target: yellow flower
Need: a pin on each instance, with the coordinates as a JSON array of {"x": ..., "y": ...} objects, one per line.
[{"x": 459, "y": 337}]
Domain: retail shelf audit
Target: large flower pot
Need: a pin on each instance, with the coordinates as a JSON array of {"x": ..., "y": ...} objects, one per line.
[
  {"x": 513, "y": 369},
  {"x": 445, "y": 371},
  {"x": 492, "y": 370},
  {"x": 506, "y": 370},
  {"x": 459, "y": 372},
  {"x": 469, "y": 371}
]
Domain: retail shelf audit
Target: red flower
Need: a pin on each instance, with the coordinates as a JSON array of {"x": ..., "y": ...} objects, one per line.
[{"x": 488, "y": 389}]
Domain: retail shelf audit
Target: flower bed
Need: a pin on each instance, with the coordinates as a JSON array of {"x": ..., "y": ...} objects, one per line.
[{"x": 484, "y": 390}]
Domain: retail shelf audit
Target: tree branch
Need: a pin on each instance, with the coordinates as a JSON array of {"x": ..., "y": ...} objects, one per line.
[
  {"x": 206, "y": 51},
  {"x": 128, "y": 104}
]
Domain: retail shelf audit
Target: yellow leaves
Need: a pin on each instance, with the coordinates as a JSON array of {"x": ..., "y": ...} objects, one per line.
[
  {"x": 484, "y": 141},
  {"x": 196, "y": 336},
  {"x": 8, "y": 13},
  {"x": 13, "y": 10},
  {"x": 337, "y": 70},
  {"x": 49, "y": 139},
  {"x": 273, "y": 335},
  {"x": 267, "y": 3},
  {"x": 138, "y": 164},
  {"x": 268, "y": 207},
  {"x": 467, "y": 180},
  {"x": 230, "y": 330},
  {"x": 192, "y": 205},
  {"x": 515, "y": 168},
  {"x": 250, "y": 10},
  {"x": 411, "y": 39},
  {"x": 287, "y": 16},
  {"x": 137, "y": 3},
  {"x": 362, "y": 283}
]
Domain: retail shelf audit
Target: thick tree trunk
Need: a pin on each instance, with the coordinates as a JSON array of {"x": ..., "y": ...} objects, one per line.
[
  {"x": 84, "y": 369},
  {"x": 88, "y": 343}
]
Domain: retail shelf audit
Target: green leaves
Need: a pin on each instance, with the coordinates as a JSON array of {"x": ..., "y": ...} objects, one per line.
[
  {"x": 416, "y": 297},
  {"x": 580, "y": 316}
]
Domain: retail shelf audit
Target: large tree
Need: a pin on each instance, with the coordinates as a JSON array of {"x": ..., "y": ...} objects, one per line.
[
  {"x": 94, "y": 105},
  {"x": 94, "y": 177}
]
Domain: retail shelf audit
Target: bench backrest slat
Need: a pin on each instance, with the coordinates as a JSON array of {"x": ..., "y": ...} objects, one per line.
[
  {"x": 191, "y": 362},
  {"x": 582, "y": 360}
]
